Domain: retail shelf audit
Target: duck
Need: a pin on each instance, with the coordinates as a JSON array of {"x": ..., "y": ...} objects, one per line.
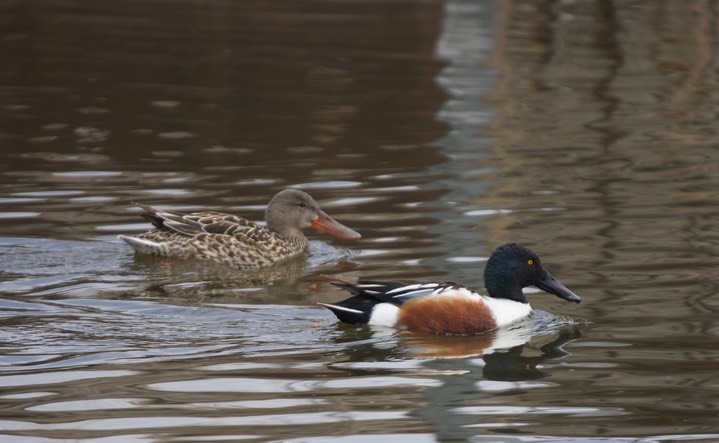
[
  {"x": 449, "y": 308},
  {"x": 231, "y": 240}
]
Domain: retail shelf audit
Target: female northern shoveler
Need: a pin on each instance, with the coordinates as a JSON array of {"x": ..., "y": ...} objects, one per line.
[
  {"x": 235, "y": 241},
  {"x": 449, "y": 308}
]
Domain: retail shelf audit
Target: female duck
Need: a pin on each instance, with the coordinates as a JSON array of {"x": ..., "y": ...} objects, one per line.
[
  {"x": 449, "y": 308},
  {"x": 235, "y": 241}
]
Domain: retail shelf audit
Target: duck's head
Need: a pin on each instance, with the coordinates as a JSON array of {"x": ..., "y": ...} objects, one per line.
[
  {"x": 292, "y": 210},
  {"x": 512, "y": 267}
]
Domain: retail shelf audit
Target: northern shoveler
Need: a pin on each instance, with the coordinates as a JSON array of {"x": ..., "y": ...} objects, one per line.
[
  {"x": 235, "y": 241},
  {"x": 449, "y": 308}
]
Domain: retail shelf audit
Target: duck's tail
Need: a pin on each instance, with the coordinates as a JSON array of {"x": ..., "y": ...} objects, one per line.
[{"x": 141, "y": 245}]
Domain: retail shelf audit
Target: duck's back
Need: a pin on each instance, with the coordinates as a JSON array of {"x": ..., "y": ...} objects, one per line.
[{"x": 218, "y": 237}]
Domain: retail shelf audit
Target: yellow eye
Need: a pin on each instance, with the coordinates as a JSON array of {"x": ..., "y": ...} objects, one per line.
[{"x": 530, "y": 262}]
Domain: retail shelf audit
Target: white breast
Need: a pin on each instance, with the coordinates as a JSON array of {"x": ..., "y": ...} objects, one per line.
[{"x": 507, "y": 311}]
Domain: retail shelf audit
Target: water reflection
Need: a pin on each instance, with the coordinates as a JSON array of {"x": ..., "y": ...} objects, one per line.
[
  {"x": 441, "y": 129},
  {"x": 468, "y": 396}
]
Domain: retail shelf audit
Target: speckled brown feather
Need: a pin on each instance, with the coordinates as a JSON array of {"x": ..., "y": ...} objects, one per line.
[{"x": 246, "y": 246}]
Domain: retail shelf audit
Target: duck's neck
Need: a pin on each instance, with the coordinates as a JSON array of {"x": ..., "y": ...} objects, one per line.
[
  {"x": 291, "y": 234},
  {"x": 284, "y": 231},
  {"x": 500, "y": 286},
  {"x": 277, "y": 224},
  {"x": 291, "y": 237}
]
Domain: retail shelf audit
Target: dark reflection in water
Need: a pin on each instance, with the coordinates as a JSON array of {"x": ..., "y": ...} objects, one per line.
[
  {"x": 437, "y": 129},
  {"x": 455, "y": 408},
  {"x": 158, "y": 87}
]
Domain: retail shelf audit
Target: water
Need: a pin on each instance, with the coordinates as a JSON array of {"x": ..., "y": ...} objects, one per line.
[{"x": 438, "y": 130}]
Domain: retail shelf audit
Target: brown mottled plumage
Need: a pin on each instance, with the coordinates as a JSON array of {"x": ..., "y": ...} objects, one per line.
[{"x": 235, "y": 241}]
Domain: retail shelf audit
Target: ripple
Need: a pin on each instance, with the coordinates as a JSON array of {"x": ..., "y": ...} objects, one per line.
[
  {"x": 87, "y": 174},
  {"x": 95, "y": 199},
  {"x": 167, "y": 154},
  {"x": 337, "y": 184},
  {"x": 504, "y": 386},
  {"x": 305, "y": 149},
  {"x": 102, "y": 404},
  {"x": 165, "y": 103},
  {"x": 466, "y": 259},
  {"x": 11, "y": 200},
  {"x": 176, "y": 135},
  {"x": 257, "y": 182},
  {"x": 165, "y": 191},
  {"x": 43, "y": 139},
  {"x": 235, "y": 384},
  {"x": 277, "y": 386},
  {"x": 572, "y": 411},
  {"x": 353, "y": 201},
  {"x": 244, "y": 366},
  {"x": 60, "y": 193},
  {"x": 217, "y": 149},
  {"x": 26, "y": 395},
  {"x": 391, "y": 189},
  {"x": 320, "y": 253},
  {"x": 55, "y": 126},
  {"x": 125, "y": 227},
  {"x": 192, "y": 421},
  {"x": 45, "y": 378},
  {"x": 93, "y": 110},
  {"x": 15, "y": 215},
  {"x": 487, "y": 212},
  {"x": 394, "y": 438},
  {"x": 89, "y": 134},
  {"x": 63, "y": 157}
]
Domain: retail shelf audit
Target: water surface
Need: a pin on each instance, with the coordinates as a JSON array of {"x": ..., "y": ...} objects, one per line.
[{"x": 439, "y": 130}]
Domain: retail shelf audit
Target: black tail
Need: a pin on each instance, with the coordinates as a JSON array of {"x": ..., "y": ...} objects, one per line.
[{"x": 352, "y": 310}]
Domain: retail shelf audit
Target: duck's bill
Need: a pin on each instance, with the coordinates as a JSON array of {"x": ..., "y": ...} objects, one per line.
[
  {"x": 327, "y": 224},
  {"x": 550, "y": 284}
]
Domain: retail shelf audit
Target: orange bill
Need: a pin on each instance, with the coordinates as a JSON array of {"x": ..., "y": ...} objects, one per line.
[{"x": 325, "y": 223}]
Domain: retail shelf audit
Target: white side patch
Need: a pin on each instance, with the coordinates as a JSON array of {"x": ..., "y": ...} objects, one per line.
[{"x": 384, "y": 314}]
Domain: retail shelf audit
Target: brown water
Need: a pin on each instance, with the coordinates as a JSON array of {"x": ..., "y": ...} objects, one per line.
[{"x": 439, "y": 130}]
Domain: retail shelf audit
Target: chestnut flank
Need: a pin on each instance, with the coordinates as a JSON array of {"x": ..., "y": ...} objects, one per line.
[{"x": 446, "y": 315}]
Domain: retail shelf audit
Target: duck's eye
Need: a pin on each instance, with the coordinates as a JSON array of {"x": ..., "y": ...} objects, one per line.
[
  {"x": 530, "y": 262},
  {"x": 303, "y": 205}
]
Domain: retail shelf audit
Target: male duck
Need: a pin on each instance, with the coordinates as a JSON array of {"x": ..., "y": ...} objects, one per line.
[
  {"x": 235, "y": 241},
  {"x": 449, "y": 308}
]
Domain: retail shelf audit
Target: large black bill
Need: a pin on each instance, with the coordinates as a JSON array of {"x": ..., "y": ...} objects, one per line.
[{"x": 553, "y": 286}]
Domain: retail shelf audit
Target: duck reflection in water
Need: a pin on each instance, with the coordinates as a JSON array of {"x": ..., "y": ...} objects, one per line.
[
  {"x": 499, "y": 348},
  {"x": 454, "y": 406}
]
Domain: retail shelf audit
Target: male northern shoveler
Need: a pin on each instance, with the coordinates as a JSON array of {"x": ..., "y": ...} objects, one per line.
[
  {"x": 235, "y": 241},
  {"x": 449, "y": 308}
]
